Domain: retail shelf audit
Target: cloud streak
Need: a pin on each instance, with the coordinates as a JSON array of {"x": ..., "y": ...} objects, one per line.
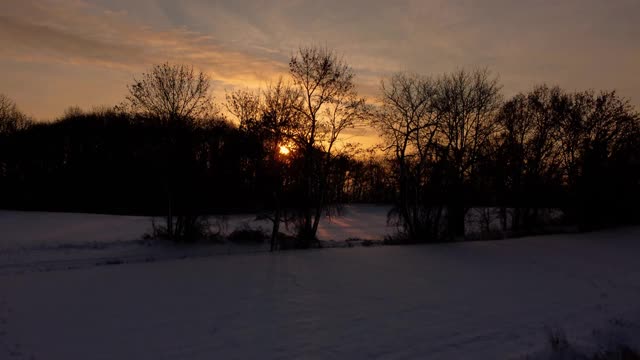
[
  {"x": 576, "y": 44},
  {"x": 80, "y": 33}
]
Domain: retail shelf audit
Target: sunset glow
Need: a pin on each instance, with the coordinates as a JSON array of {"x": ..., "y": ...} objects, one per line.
[
  {"x": 284, "y": 150},
  {"x": 62, "y": 48}
]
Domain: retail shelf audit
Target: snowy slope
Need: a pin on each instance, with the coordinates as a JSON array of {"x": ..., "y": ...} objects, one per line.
[{"x": 482, "y": 300}]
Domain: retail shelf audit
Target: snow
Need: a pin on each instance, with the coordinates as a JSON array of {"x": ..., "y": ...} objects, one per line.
[
  {"x": 29, "y": 230},
  {"x": 104, "y": 298},
  {"x": 44, "y": 230},
  {"x": 22, "y": 229},
  {"x": 365, "y": 222}
]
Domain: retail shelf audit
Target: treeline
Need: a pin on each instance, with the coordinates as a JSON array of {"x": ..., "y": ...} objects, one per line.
[
  {"x": 448, "y": 143},
  {"x": 456, "y": 144},
  {"x": 105, "y": 161}
]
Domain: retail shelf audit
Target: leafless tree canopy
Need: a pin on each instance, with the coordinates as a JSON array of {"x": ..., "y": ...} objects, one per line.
[
  {"x": 172, "y": 93},
  {"x": 245, "y": 105},
  {"x": 329, "y": 101},
  {"x": 11, "y": 118},
  {"x": 329, "y": 105},
  {"x": 467, "y": 103},
  {"x": 449, "y": 120},
  {"x": 408, "y": 122},
  {"x": 599, "y": 122},
  {"x": 279, "y": 114},
  {"x": 407, "y": 113},
  {"x": 450, "y": 144},
  {"x": 528, "y": 126}
]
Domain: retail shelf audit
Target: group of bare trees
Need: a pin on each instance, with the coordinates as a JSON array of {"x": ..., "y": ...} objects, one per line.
[
  {"x": 456, "y": 144},
  {"x": 449, "y": 143},
  {"x": 436, "y": 130},
  {"x": 582, "y": 144},
  {"x": 303, "y": 116},
  {"x": 179, "y": 98},
  {"x": 329, "y": 105}
]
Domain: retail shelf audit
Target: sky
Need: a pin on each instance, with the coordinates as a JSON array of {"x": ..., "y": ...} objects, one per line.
[{"x": 60, "y": 53}]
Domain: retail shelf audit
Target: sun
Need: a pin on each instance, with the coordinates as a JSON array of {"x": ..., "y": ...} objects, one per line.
[{"x": 284, "y": 150}]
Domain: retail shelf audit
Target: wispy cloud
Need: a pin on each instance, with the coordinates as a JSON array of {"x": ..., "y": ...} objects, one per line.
[
  {"x": 80, "y": 33},
  {"x": 574, "y": 43}
]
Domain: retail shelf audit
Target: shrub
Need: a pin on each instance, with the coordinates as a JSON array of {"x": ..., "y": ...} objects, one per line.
[
  {"x": 561, "y": 349},
  {"x": 197, "y": 228},
  {"x": 619, "y": 352},
  {"x": 286, "y": 241},
  {"x": 247, "y": 235},
  {"x": 557, "y": 340}
]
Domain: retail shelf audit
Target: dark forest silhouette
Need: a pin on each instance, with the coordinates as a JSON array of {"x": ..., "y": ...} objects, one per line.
[{"x": 449, "y": 143}]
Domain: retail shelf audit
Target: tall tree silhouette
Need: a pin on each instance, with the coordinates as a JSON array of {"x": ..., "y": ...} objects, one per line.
[
  {"x": 408, "y": 122},
  {"x": 528, "y": 155},
  {"x": 467, "y": 103},
  {"x": 329, "y": 106},
  {"x": 597, "y": 135},
  {"x": 280, "y": 120},
  {"x": 179, "y": 98}
]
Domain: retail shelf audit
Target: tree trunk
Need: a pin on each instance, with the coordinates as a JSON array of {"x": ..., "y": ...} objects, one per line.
[{"x": 276, "y": 221}]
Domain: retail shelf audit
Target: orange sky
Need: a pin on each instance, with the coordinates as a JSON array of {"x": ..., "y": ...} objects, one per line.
[{"x": 59, "y": 53}]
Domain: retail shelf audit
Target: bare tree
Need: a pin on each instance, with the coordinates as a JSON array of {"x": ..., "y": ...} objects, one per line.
[
  {"x": 329, "y": 106},
  {"x": 279, "y": 121},
  {"x": 172, "y": 93},
  {"x": 408, "y": 123},
  {"x": 529, "y": 126},
  {"x": 272, "y": 116},
  {"x": 11, "y": 118},
  {"x": 245, "y": 105},
  {"x": 467, "y": 103},
  {"x": 178, "y": 97},
  {"x": 279, "y": 112},
  {"x": 597, "y": 132},
  {"x": 592, "y": 120}
]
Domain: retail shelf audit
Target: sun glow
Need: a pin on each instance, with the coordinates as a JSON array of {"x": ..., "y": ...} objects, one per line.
[{"x": 284, "y": 150}]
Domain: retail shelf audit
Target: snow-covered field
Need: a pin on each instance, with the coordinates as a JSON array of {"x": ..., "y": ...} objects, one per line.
[
  {"x": 60, "y": 240},
  {"x": 478, "y": 300},
  {"x": 29, "y": 230}
]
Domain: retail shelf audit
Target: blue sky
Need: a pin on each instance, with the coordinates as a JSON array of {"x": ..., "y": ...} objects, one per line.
[{"x": 59, "y": 53}]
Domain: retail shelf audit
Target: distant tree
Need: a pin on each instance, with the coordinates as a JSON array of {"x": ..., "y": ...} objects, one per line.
[
  {"x": 280, "y": 116},
  {"x": 329, "y": 106},
  {"x": 177, "y": 97},
  {"x": 279, "y": 122},
  {"x": 172, "y": 93},
  {"x": 408, "y": 123},
  {"x": 11, "y": 118},
  {"x": 467, "y": 104},
  {"x": 271, "y": 117},
  {"x": 598, "y": 140},
  {"x": 528, "y": 155},
  {"x": 245, "y": 105},
  {"x": 370, "y": 178},
  {"x": 12, "y": 121}
]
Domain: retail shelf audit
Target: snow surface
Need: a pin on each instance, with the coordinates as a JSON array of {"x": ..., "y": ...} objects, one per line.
[
  {"x": 29, "y": 230},
  {"x": 476, "y": 300},
  {"x": 24, "y": 230}
]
